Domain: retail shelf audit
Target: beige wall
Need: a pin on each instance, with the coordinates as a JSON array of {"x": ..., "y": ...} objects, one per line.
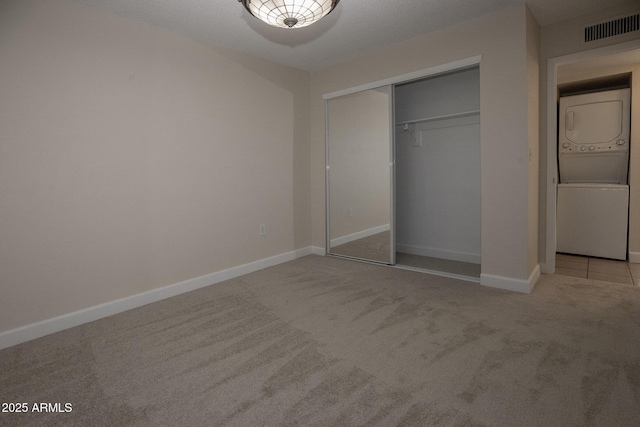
[
  {"x": 562, "y": 42},
  {"x": 501, "y": 39},
  {"x": 132, "y": 158},
  {"x": 567, "y": 37}
]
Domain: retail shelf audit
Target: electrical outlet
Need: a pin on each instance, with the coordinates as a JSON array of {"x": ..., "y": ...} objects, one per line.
[
  {"x": 350, "y": 211},
  {"x": 262, "y": 230}
]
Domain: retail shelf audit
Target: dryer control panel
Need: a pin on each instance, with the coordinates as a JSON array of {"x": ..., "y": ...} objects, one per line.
[{"x": 572, "y": 147}]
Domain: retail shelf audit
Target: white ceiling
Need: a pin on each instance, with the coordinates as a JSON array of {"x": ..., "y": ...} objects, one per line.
[{"x": 355, "y": 27}]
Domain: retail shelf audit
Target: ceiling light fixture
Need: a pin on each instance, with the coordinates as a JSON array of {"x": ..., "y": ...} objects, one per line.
[{"x": 289, "y": 13}]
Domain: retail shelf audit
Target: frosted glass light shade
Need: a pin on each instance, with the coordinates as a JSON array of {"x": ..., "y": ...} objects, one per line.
[{"x": 289, "y": 13}]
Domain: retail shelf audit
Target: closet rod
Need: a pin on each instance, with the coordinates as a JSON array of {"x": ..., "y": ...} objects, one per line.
[{"x": 446, "y": 116}]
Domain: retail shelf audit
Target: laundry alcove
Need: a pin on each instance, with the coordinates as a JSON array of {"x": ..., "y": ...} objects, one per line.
[{"x": 403, "y": 174}]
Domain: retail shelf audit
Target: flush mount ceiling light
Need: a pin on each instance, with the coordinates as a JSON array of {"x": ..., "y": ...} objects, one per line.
[{"x": 289, "y": 13}]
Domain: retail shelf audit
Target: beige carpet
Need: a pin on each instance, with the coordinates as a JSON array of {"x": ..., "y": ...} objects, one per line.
[{"x": 323, "y": 341}]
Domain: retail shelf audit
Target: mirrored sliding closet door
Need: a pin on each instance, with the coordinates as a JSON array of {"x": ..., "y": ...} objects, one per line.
[{"x": 360, "y": 175}]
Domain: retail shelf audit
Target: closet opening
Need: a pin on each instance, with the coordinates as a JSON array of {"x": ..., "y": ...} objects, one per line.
[
  {"x": 437, "y": 176},
  {"x": 403, "y": 172}
]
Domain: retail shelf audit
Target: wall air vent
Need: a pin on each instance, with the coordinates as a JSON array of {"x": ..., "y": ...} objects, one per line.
[{"x": 612, "y": 28}]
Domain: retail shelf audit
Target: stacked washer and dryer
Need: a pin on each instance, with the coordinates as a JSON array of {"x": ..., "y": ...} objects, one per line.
[{"x": 593, "y": 165}]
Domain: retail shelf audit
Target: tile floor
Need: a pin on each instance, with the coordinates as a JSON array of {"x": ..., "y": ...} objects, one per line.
[{"x": 606, "y": 270}]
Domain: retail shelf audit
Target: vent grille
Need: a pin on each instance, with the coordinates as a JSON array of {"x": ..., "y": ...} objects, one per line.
[{"x": 612, "y": 28}]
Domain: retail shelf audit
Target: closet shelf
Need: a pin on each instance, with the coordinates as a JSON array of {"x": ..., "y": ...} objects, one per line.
[{"x": 446, "y": 116}]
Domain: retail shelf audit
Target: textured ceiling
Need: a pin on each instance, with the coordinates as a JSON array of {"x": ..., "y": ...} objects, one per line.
[{"x": 355, "y": 27}]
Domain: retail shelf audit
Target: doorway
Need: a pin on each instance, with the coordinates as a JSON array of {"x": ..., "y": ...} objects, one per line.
[{"x": 585, "y": 64}]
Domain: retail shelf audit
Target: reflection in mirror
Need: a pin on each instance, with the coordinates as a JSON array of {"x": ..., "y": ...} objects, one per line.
[{"x": 359, "y": 175}]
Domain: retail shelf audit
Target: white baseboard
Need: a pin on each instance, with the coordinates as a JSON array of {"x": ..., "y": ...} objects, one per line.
[
  {"x": 634, "y": 257},
  {"x": 317, "y": 250},
  {"x": 546, "y": 269},
  {"x": 511, "y": 284},
  {"x": 438, "y": 253},
  {"x": 70, "y": 320},
  {"x": 359, "y": 235}
]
